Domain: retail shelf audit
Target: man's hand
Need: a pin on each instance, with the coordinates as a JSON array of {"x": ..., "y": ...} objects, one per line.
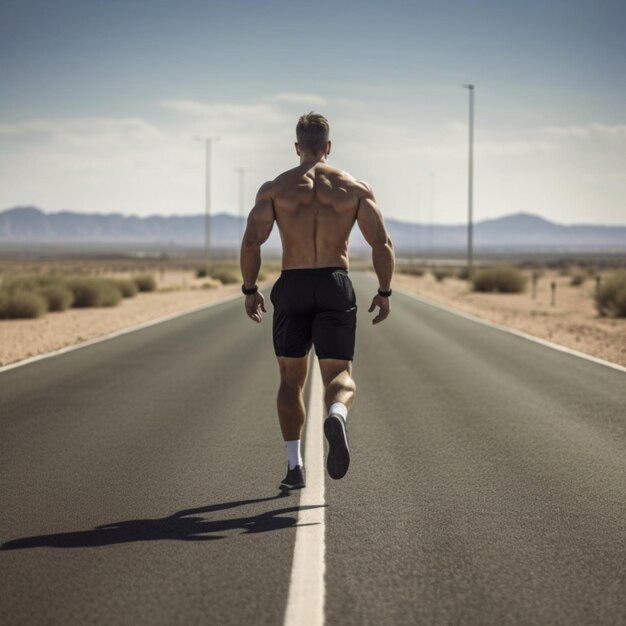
[
  {"x": 383, "y": 304},
  {"x": 255, "y": 305}
]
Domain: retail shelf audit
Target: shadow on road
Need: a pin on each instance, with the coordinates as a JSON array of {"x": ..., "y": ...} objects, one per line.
[{"x": 185, "y": 525}]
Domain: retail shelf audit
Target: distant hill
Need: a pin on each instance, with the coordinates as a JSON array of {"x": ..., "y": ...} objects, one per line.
[{"x": 521, "y": 231}]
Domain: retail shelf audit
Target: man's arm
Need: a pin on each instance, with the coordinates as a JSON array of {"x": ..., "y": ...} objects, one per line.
[
  {"x": 372, "y": 225},
  {"x": 258, "y": 229}
]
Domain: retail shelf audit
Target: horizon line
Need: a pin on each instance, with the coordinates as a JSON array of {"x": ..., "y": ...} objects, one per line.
[{"x": 237, "y": 216}]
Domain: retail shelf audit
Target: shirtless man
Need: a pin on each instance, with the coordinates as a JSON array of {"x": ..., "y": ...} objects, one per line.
[{"x": 315, "y": 206}]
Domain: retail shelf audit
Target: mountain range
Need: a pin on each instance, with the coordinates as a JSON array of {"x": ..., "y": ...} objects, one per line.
[{"x": 520, "y": 231}]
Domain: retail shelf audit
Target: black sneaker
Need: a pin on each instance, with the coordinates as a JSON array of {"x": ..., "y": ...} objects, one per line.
[
  {"x": 294, "y": 479},
  {"x": 338, "y": 452}
]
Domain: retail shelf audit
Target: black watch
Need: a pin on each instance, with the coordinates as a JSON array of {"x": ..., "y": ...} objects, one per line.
[
  {"x": 384, "y": 294},
  {"x": 249, "y": 292}
]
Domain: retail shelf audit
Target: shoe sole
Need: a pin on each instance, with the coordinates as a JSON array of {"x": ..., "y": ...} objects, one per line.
[
  {"x": 338, "y": 459},
  {"x": 286, "y": 487}
]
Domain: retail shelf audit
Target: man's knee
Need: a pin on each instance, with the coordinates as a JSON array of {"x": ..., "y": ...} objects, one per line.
[
  {"x": 342, "y": 380},
  {"x": 350, "y": 384},
  {"x": 292, "y": 371},
  {"x": 291, "y": 387}
]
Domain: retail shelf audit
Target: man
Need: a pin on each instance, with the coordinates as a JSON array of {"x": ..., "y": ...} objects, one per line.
[{"x": 315, "y": 206}]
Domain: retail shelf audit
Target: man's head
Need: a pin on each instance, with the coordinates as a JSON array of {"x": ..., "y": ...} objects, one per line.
[{"x": 312, "y": 133}]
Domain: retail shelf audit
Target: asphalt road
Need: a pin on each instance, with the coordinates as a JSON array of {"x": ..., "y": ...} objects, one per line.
[{"x": 138, "y": 480}]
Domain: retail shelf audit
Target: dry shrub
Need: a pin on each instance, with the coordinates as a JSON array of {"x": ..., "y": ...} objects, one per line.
[
  {"x": 145, "y": 282},
  {"x": 226, "y": 276},
  {"x": 94, "y": 292},
  {"x": 441, "y": 273},
  {"x": 51, "y": 287},
  {"x": 411, "y": 270},
  {"x": 577, "y": 279},
  {"x": 610, "y": 296},
  {"x": 128, "y": 288},
  {"x": 30, "y": 282},
  {"x": 18, "y": 304},
  {"x": 499, "y": 279},
  {"x": 57, "y": 296},
  {"x": 202, "y": 272},
  {"x": 463, "y": 273}
]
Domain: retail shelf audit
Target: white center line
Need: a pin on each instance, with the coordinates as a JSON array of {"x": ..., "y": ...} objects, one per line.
[{"x": 305, "y": 603}]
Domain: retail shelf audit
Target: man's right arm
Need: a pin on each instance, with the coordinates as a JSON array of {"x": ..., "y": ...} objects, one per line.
[
  {"x": 258, "y": 229},
  {"x": 372, "y": 225}
]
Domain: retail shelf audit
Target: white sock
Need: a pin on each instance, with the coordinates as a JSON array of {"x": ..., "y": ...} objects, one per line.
[
  {"x": 339, "y": 408},
  {"x": 293, "y": 453}
]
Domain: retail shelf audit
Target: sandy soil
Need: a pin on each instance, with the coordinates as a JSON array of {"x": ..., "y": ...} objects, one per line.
[
  {"x": 178, "y": 291},
  {"x": 572, "y": 321}
]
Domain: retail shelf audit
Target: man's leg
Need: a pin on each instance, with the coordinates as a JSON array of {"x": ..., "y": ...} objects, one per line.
[
  {"x": 338, "y": 383},
  {"x": 339, "y": 390},
  {"x": 290, "y": 403},
  {"x": 291, "y": 415}
]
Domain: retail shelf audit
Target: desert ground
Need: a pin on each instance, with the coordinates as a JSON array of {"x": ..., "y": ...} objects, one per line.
[
  {"x": 572, "y": 322},
  {"x": 177, "y": 291}
]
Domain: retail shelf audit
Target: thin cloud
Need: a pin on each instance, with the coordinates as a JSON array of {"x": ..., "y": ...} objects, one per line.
[
  {"x": 141, "y": 166},
  {"x": 514, "y": 148},
  {"x": 616, "y": 132},
  {"x": 130, "y": 125},
  {"x": 486, "y": 149},
  {"x": 310, "y": 99},
  {"x": 85, "y": 131},
  {"x": 215, "y": 109}
]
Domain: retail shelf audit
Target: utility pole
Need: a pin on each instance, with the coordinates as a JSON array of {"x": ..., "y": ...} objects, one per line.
[
  {"x": 414, "y": 231},
  {"x": 431, "y": 218},
  {"x": 207, "y": 198},
  {"x": 470, "y": 185},
  {"x": 242, "y": 175}
]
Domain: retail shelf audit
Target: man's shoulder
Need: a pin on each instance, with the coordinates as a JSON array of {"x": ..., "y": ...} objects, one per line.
[
  {"x": 345, "y": 178},
  {"x": 287, "y": 178},
  {"x": 348, "y": 178},
  {"x": 267, "y": 189}
]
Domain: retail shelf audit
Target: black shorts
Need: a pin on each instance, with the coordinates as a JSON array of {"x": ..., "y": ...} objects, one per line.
[{"x": 314, "y": 306}]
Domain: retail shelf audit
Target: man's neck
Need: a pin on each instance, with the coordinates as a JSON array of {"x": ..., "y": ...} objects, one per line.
[{"x": 312, "y": 159}]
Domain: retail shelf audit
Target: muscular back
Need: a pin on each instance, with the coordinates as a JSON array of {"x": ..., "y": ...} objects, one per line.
[{"x": 315, "y": 207}]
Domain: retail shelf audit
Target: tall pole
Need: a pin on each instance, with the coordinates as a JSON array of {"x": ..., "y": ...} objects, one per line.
[
  {"x": 207, "y": 204},
  {"x": 242, "y": 174},
  {"x": 431, "y": 217},
  {"x": 416, "y": 212},
  {"x": 207, "y": 197},
  {"x": 470, "y": 186}
]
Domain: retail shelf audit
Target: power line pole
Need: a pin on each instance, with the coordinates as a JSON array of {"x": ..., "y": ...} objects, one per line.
[
  {"x": 470, "y": 185},
  {"x": 207, "y": 197},
  {"x": 414, "y": 230},
  {"x": 431, "y": 217}
]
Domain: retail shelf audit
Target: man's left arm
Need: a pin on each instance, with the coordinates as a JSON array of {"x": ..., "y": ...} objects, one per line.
[{"x": 258, "y": 229}]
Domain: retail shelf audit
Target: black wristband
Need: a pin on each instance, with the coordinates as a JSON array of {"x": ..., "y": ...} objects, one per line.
[
  {"x": 249, "y": 292},
  {"x": 384, "y": 294}
]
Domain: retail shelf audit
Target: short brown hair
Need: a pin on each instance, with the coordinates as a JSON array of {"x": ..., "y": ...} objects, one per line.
[{"x": 312, "y": 132}]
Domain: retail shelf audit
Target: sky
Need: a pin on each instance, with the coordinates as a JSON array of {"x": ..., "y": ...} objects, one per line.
[{"x": 103, "y": 102}]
